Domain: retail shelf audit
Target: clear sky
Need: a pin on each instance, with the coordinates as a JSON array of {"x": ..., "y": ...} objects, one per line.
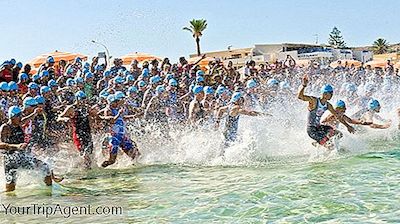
[{"x": 29, "y": 28}]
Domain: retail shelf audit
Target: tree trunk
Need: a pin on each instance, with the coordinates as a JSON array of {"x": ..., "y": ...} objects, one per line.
[{"x": 198, "y": 46}]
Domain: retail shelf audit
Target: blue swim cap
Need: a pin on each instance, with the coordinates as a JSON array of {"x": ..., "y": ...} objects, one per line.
[
  {"x": 52, "y": 83},
  {"x": 130, "y": 78},
  {"x": 98, "y": 67},
  {"x": 35, "y": 77},
  {"x": 235, "y": 97},
  {"x": 50, "y": 59},
  {"x": 80, "y": 95},
  {"x": 29, "y": 102},
  {"x": 79, "y": 80},
  {"x": 107, "y": 73},
  {"x": 169, "y": 76},
  {"x": 14, "y": 111},
  {"x": 199, "y": 79},
  {"x": 13, "y": 61},
  {"x": 327, "y": 89},
  {"x": 373, "y": 104},
  {"x": 88, "y": 75},
  {"x": 208, "y": 90},
  {"x": 70, "y": 82},
  {"x": 44, "y": 89},
  {"x": 172, "y": 82},
  {"x": 284, "y": 85},
  {"x": 142, "y": 83},
  {"x": 197, "y": 89},
  {"x": 23, "y": 76},
  {"x": 340, "y": 104},
  {"x": 220, "y": 90},
  {"x": 19, "y": 65},
  {"x": 78, "y": 60},
  {"x": 12, "y": 86},
  {"x": 272, "y": 82},
  {"x": 155, "y": 79},
  {"x": 4, "y": 86},
  {"x": 145, "y": 72},
  {"x": 70, "y": 71},
  {"x": 86, "y": 65},
  {"x": 119, "y": 95},
  {"x": 369, "y": 87},
  {"x": 132, "y": 89},
  {"x": 85, "y": 71},
  {"x": 160, "y": 89},
  {"x": 33, "y": 85},
  {"x": 40, "y": 99},
  {"x": 111, "y": 98},
  {"x": 351, "y": 87},
  {"x": 251, "y": 84},
  {"x": 199, "y": 73},
  {"x": 44, "y": 73},
  {"x": 119, "y": 80}
]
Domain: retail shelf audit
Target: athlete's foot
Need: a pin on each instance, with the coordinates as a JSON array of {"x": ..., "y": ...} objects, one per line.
[
  {"x": 106, "y": 163},
  {"x": 57, "y": 179},
  {"x": 48, "y": 180}
]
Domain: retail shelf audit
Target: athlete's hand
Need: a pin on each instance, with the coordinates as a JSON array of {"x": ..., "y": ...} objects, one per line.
[
  {"x": 351, "y": 129},
  {"x": 305, "y": 80},
  {"x": 388, "y": 124},
  {"x": 22, "y": 146}
]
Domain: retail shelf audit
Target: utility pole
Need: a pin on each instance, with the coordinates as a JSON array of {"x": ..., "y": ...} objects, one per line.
[{"x": 316, "y": 38}]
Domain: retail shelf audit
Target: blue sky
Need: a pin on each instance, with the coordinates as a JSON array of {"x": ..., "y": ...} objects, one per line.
[{"x": 30, "y": 28}]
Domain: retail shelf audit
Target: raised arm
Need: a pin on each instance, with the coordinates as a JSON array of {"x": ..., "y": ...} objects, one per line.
[{"x": 300, "y": 94}]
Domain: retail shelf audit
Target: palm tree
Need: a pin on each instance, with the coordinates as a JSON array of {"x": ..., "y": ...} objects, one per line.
[
  {"x": 197, "y": 26},
  {"x": 380, "y": 46}
]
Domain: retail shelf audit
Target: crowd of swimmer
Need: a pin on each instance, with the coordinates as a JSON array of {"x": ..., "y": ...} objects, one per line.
[{"x": 82, "y": 98}]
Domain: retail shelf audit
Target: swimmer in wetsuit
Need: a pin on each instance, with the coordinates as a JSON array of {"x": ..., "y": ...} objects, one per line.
[
  {"x": 16, "y": 155},
  {"x": 80, "y": 116},
  {"x": 196, "y": 109},
  {"x": 370, "y": 115},
  {"x": 115, "y": 114},
  {"x": 234, "y": 109},
  {"x": 317, "y": 107}
]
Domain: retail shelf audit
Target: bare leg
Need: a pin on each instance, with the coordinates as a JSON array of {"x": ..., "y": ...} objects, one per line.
[
  {"x": 110, "y": 161},
  {"x": 48, "y": 180},
  {"x": 10, "y": 187}
]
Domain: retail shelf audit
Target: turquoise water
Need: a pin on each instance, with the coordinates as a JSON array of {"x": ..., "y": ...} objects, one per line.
[{"x": 351, "y": 188}]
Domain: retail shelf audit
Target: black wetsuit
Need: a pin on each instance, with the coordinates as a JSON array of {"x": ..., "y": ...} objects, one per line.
[
  {"x": 14, "y": 160},
  {"x": 81, "y": 131}
]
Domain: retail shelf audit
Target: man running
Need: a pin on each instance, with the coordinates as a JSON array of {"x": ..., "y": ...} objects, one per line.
[
  {"x": 115, "y": 115},
  {"x": 370, "y": 114},
  {"x": 341, "y": 110},
  {"x": 234, "y": 110},
  {"x": 80, "y": 115},
  {"x": 317, "y": 107},
  {"x": 16, "y": 156}
]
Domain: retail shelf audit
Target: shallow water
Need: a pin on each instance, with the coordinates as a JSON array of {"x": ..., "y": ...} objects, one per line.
[{"x": 351, "y": 188}]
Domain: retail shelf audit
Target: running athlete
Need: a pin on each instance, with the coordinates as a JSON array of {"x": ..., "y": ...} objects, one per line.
[
  {"x": 12, "y": 141},
  {"x": 370, "y": 114},
  {"x": 317, "y": 107},
  {"x": 115, "y": 114},
  {"x": 340, "y": 111},
  {"x": 234, "y": 109},
  {"x": 196, "y": 109},
  {"x": 80, "y": 116}
]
